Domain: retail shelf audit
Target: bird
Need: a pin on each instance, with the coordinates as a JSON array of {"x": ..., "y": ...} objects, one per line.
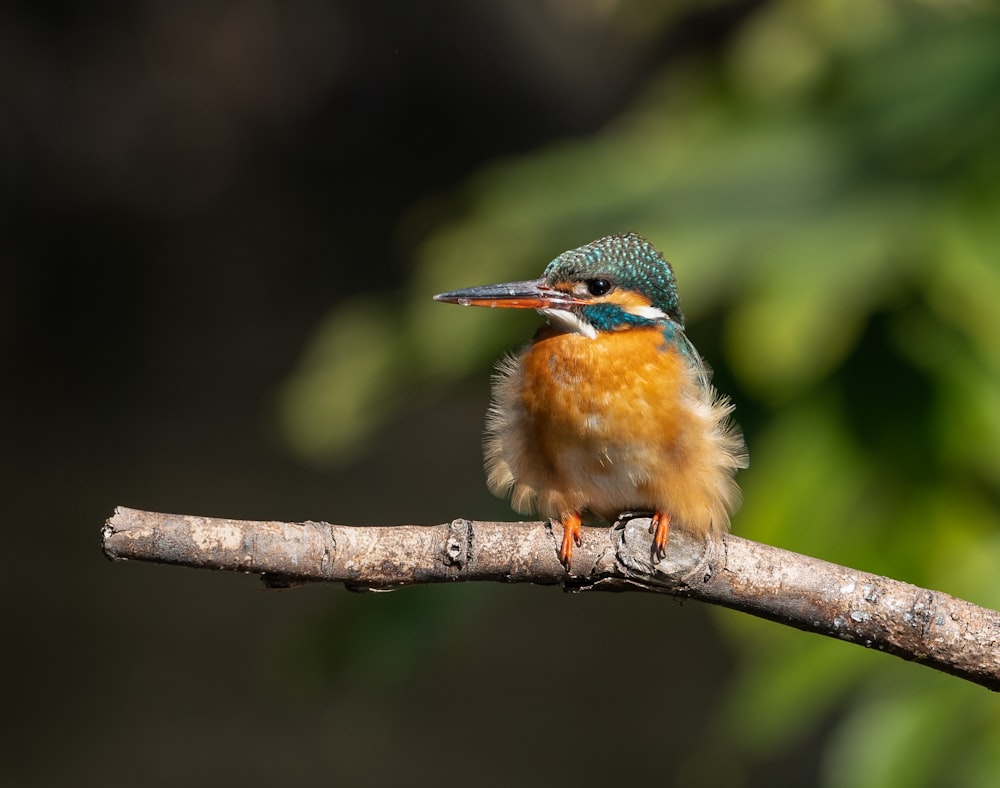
[{"x": 609, "y": 410}]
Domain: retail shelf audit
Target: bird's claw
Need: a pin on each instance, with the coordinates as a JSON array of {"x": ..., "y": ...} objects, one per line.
[
  {"x": 572, "y": 535},
  {"x": 659, "y": 524}
]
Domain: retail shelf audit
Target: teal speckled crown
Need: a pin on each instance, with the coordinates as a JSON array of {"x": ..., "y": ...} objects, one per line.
[{"x": 630, "y": 262}]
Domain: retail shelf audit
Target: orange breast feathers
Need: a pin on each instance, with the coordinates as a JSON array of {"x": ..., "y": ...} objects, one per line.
[{"x": 620, "y": 422}]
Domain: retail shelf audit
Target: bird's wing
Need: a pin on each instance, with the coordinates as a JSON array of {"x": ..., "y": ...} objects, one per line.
[{"x": 675, "y": 334}]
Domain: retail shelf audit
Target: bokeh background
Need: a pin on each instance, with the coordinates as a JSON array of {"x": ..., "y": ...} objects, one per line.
[{"x": 221, "y": 227}]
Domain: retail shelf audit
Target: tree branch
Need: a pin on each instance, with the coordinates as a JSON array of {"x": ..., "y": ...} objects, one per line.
[{"x": 929, "y": 627}]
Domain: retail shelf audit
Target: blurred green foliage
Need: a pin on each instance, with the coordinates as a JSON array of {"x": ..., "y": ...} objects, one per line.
[{"x": 828, "y": 191}]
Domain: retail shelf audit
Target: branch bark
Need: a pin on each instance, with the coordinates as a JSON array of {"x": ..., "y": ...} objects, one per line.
[{"x": 929, "y": 627}]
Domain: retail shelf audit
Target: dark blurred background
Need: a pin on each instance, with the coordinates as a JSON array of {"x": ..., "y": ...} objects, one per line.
[{"x": 221, "y": 227}]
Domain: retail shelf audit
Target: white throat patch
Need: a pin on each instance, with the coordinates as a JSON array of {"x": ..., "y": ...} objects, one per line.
[{"x": 567, "y": 321}]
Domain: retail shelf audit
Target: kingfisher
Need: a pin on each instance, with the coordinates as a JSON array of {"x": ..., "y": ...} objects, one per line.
[{"x": 609, "y": 411}]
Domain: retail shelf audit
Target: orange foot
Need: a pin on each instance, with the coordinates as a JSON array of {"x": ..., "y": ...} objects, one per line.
[
  {"x": 660, "y": 525},
  {"x": 571, "y": 534}
]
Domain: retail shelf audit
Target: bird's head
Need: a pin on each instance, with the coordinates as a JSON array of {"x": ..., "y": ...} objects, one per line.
[{"x": 611, "y": 284}]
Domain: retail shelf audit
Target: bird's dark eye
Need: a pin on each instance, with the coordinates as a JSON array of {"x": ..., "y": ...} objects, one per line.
[{"x": 598, "y": 287}]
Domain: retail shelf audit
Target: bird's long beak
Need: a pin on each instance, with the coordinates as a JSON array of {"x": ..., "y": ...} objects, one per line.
[{"x": 532, "y": 294}]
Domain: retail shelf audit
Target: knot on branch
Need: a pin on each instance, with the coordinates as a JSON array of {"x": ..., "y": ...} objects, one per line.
[
  {"x": 457, "y": 547},
  {"x": 690, "y": 561}
]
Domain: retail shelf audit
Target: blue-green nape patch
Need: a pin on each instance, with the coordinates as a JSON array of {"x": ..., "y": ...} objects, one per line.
[
  {"x": 630, "y": 262},
  {"x": 606, "y": 316}
]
